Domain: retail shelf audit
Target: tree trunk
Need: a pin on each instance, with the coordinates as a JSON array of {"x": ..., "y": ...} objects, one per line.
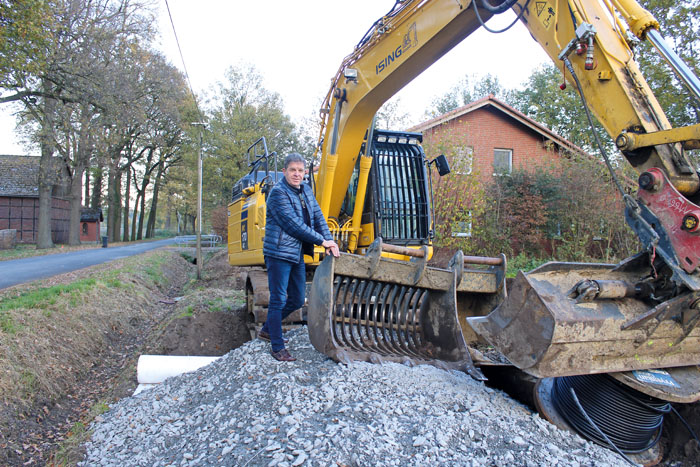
[
  {"x": 86, "y": 197},
  {"x": 43, "y": 239},
  {"x": 139, "y": 231},
  {"x": 114, "y": 202},
  {"x": 46, "y": 176},
  {"x": 110, "y": 204},
  {"x": 136, "y": 213},
  {"x": 96, "y": 201},
  {"x": 151, "y": 224},
  {"x": 76, "y": 191},
  {"x": 81, "y": 158},
  {"x": 127, "y": 198},
  {"x": 142, "y": 191},
  {"x": 168, "y": 212}
]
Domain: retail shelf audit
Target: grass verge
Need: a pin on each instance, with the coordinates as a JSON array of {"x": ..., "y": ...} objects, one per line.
[{"x": 52, "y": 335}]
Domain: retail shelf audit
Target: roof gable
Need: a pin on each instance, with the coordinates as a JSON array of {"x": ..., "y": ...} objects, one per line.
[
  {"x": 491, "y": 102},
  {"x": 91, "y": 215}
]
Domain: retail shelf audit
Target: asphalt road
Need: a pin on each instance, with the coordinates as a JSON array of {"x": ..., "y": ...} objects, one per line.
[{"x": 19, "y": 271}]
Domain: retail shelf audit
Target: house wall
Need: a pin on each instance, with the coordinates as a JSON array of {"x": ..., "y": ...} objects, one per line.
[
  {"x": 93, "y": 229},
  {"x": 487, "y": 129},
  {"x": 22, "y": 214}
]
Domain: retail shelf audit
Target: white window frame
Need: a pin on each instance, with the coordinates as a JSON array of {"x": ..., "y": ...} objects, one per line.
[
  {"x": 463, "y": 229},
  {"x": 510, "y": 162},
  {"x": 465, "y": 154}
]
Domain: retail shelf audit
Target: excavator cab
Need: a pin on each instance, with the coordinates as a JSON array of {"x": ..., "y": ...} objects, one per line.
[
  {"x": 396, "y": 204},
  {"x": 246, "y": 211}
]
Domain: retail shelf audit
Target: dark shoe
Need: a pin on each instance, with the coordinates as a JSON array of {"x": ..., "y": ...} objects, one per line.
[
  {"x": 266, "y": 337},
  {"x": 283, "y": 356}
]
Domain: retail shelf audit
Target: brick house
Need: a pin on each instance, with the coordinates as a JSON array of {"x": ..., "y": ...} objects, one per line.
[
  {"x": 497, "y": 139},
  {"x": 90, "y": 219},
  {"x": 19, "y": 200},
  {"x": 492, "y": 139}
]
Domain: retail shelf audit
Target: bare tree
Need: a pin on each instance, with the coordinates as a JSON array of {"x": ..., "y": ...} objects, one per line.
[{"x": 64, "y": 97}]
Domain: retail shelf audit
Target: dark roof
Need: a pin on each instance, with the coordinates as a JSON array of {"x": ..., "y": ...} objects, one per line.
[
  {"x": 492, "y": 102},
  {"x": 19, "y": 176},
  {"x": 91, "y": 215}
]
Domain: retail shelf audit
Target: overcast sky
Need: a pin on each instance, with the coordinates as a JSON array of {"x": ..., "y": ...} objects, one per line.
[{"x": 297, "y": 46}]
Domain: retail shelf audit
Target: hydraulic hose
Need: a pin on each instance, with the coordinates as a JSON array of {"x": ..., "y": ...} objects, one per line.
[{"x": 500, "y": 8}]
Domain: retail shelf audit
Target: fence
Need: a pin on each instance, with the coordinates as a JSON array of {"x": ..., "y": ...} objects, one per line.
[{"x": 191, "y": 240}]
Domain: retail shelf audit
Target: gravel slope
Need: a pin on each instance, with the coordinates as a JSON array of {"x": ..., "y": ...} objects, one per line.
[{"x": 247, "y": 409}]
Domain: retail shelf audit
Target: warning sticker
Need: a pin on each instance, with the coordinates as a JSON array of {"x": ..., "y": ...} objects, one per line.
[
  {"x": 658, "y": 377},
  {"x": 539, "y": 7},
  {"x": 545, "y": 13}
]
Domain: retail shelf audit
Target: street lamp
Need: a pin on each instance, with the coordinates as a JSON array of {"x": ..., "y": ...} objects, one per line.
[{"x": 201, "y": 126}]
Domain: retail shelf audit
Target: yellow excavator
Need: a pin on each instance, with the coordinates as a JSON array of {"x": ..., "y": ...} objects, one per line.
[{"x": 633, "y": 323}]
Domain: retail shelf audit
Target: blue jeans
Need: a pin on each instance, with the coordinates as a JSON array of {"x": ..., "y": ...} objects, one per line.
[{"x": 287, "y": 283}]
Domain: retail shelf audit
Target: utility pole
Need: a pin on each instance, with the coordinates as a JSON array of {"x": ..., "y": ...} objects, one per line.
[{"x": 201, "y": 126}]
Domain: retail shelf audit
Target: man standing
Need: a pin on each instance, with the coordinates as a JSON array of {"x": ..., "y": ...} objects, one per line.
[{"x": 294, "y": 225}]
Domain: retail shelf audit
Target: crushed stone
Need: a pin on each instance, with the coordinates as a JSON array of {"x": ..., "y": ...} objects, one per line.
[{"x": 247, "y": 409}]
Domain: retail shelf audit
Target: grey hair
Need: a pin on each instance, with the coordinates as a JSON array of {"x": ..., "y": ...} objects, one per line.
[{"x": 294, "y": 157}]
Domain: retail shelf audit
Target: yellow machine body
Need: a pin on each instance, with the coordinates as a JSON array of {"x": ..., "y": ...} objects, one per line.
[{"x": 613, "y": 320}]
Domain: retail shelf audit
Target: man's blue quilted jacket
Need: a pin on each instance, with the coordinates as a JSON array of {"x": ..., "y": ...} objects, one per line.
[{"x": 285, "y": 229}]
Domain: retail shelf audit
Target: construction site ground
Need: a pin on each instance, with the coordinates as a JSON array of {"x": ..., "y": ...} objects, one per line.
[{"x": 65, "y": 383}]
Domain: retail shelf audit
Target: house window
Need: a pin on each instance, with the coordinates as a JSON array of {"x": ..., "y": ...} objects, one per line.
[
  {"x": 85, "y": 228},
  {"x": 463, "y": 228},
  {"x": 462, "y": 160},
  {"x": 502, "y": 161}
]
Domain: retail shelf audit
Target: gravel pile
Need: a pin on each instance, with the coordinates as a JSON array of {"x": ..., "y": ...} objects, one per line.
[{"x": 247, "y": 409}]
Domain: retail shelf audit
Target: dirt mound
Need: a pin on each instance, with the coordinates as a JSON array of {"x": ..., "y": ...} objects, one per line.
[
  {"x": 211, "y": 333},
  {"x": 216, "y": 271},
  {"x": 210, "y": 318}
]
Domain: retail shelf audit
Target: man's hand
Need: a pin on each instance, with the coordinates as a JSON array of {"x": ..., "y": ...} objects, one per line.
[{"x": 331, "y": 248}]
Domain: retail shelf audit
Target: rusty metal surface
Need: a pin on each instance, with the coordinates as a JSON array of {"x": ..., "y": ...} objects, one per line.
[
  {"x": 545, "y": 333},
  {"x": 367, "y": 310}
]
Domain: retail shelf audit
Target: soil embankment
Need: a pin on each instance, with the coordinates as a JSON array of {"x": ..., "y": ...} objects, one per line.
[{"x": 70, "y": 343}]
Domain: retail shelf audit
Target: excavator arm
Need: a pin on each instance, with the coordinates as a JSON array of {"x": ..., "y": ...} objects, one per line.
[
  {"x": 397, "y": 48},
  {"x": 566, "y": 319},
  {"x": 596, "y": 44}
]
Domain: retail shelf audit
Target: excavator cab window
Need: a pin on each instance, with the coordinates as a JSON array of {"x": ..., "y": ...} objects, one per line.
[
  {"x": 348, "y": 205},
  {"x": 399, "y": 180},
  {"x": 397, "y": 189}
]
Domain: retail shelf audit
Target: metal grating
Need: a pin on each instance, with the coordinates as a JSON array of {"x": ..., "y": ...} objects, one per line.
[
  {"x": 401, "y": 199},
  {"x": 379, "y": 317}
]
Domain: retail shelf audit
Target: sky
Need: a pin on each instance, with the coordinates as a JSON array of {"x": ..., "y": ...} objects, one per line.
[{"x": 297, "y": 47}]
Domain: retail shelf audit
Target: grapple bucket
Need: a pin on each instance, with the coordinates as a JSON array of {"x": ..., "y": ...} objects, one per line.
[
  {"x": 369, "y": 308},
  {"x": 542, "y": 330}
]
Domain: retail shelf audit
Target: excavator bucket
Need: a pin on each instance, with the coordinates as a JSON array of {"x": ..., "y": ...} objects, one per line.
[
  {"x": 369, "y": 308},
  {"x": 566, "y": 319}
]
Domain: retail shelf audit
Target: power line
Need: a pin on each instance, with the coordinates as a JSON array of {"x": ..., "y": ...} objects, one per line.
[{"x": 182, "y": 58}]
